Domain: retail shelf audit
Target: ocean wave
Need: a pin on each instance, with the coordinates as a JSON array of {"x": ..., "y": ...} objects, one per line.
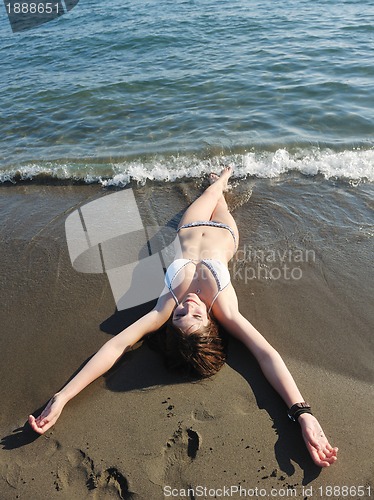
[{"x": 354, "y": 166}]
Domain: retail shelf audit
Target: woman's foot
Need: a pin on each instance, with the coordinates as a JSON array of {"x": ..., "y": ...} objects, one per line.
[
  {"x": 224, "y": 177},
  {"x": 213, "y": 177}
]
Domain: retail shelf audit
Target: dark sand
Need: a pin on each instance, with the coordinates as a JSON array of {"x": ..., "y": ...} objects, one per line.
[{"x": 141, "y": 428}]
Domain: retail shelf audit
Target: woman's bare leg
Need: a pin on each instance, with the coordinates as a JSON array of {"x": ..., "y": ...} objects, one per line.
[
  {"x": 204, "y": 207},
  {"x": 221, "y": 214}
]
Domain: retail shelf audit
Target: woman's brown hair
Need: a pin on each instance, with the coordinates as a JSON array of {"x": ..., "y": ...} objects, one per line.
[{"x": 200, "y": 354}]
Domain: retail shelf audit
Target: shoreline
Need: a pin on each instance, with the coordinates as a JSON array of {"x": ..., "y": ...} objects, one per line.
[{"x": 141, "y": 428}]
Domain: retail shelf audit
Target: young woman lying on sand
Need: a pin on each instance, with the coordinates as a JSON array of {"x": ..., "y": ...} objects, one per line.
[{"x": 198, "y": 293}]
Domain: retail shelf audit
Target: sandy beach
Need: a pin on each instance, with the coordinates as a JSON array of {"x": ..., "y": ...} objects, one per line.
[{"x": 142, "y": 432}]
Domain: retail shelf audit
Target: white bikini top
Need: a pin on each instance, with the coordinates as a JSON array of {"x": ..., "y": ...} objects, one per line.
[{"x": 216, "y": 267}]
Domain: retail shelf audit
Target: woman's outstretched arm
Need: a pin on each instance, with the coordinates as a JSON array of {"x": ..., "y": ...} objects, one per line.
[
  {"x": 277, "y": 373},
  {"x": 99, "y": 364}
]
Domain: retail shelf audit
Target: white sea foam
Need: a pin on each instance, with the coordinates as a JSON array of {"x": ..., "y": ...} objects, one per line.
[{"x": 354, "y": 166}]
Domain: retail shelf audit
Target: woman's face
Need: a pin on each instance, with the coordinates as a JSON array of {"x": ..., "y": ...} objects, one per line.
[{"x": 190, "y": 314}]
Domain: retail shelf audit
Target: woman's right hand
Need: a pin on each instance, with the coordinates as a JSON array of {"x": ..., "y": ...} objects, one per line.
[{"x": 49, "y": 415}]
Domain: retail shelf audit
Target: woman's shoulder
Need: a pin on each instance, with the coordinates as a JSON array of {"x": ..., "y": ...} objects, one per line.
[
  {"x": 226, "y": 303},
  {"x": 165, "y": 303}
]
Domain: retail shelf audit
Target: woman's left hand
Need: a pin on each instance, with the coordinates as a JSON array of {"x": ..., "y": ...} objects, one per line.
[{"x": 322, "y": 453}]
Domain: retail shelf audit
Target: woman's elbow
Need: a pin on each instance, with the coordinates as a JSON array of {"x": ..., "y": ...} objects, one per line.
[
  {"x": 115, "y": 347},
  {"x": 268, "y": 354}
]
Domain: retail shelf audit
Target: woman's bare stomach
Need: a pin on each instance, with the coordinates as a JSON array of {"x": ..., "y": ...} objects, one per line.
[{"x": 204, "y": 242}]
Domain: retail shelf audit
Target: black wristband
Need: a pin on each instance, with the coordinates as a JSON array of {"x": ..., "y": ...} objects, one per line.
[{"x": 298, "y": 409}]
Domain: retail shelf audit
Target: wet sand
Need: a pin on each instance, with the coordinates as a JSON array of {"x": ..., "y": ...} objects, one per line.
[{"x": 141, "y": 430}]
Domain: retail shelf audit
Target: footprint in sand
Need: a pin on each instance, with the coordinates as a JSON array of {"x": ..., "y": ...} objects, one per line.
[
  {"x": 180, "y": 450},
  {"x": 202, "y": 414},
  {"x": 12, "y": 474},
  {"x": 98, "y": 481},
  {"x": 24, "y": 458},
  {"x": 182, "y": 446}
]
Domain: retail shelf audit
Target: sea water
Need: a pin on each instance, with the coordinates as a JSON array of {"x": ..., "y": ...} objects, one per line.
[{"x": 118, "y": 90}]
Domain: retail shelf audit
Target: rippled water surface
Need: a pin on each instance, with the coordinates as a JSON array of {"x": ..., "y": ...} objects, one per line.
[{"x": 155, "y": 89}]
